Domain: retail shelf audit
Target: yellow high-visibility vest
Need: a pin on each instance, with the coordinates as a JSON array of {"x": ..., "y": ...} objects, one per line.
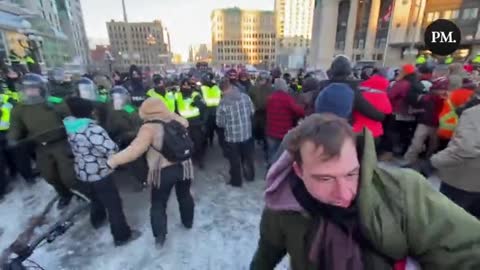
[
  {"x": 476, "y": 60},
  {"x": 6, "y": 108},
  {"x": 449, "y": 60},
  {"x": 421, "y": 60},
  {"x": 12, "y": 94},
  {"x": 168, "y": 99},
  {"x": 447, "y": 122},
  {"x": 211, "y": 95},
  {"x": 185, "y": 105}
]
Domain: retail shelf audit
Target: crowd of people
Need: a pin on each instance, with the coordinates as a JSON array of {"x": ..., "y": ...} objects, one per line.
[{"x": 329, "y": 203}]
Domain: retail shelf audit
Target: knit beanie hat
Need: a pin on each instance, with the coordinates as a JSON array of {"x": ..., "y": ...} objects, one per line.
[
  {"x": 336, "y": 98},
  {"x": 341, "y": 67},
  {"x": 280, "y": 84}
]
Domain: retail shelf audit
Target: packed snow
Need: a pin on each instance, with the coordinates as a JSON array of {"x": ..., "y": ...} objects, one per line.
[{"x": 224, "y": 235}]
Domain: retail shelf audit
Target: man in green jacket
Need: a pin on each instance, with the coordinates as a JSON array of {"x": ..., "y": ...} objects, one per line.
[{"x": 330, "y": 206}]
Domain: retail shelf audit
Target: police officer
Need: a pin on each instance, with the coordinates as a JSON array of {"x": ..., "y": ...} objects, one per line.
[
  {"x": 123, "y": 120},
  {"x": 5, "y": 110},
  {"x": 18, "y": 160},
  {"x": 135, "y": 86},
  {"x": 33, "y": 119},
  {"x": 191, "y": 106},
  {"x": 58, "y": 86},
  {"x": 104, "y": 86},
  {"x": 160, "y": 91},
  {"x": 211, "y": 95},
  {"x": 122, "y": 126}
]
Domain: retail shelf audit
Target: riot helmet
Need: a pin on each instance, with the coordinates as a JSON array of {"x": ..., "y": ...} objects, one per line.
[
  {"x": 34, "y": 89},
  {"x": 86, "y": 89},
  {"x": 120, "y": 97},
  {"x": 57, "y": 75}
]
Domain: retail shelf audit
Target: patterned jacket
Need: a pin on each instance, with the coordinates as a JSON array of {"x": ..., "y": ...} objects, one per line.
[{"x": 91, "y": 147}]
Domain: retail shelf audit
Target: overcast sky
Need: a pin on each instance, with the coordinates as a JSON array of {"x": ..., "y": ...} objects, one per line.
[{"x": 188, "y": 21}]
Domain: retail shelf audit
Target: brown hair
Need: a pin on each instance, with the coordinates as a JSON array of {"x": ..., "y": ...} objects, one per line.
[{"x": 324, "y": 130}]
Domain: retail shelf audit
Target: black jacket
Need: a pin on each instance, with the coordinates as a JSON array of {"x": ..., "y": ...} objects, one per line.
[{"x": 360, "y": 103}]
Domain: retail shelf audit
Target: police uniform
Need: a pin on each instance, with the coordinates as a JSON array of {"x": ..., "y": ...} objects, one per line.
[
  {"x": 5, "y": 110},
  {"x": 122, "y": 126},
  {"x": 212, "y": 95},
  {"x": 168, "y": 98},
  {"x": 38, "y": 121},
  {"x": 192, "y": 107}
]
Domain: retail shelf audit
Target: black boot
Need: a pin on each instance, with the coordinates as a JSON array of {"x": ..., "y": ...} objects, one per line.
[
  {"x": 133, "y": 236},
  {"x": 64, "y": 201},
  {"x": 160, "y": 240}
]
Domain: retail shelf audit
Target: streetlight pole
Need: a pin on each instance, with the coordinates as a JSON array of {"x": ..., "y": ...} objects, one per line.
[{"x": 417, "y": 24}]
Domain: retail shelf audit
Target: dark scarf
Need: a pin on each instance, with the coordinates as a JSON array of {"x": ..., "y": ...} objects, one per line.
[{"x": 337, "y": 242}]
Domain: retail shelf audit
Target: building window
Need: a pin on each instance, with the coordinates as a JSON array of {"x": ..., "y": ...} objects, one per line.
[
  {"x": 447, "y": 14},
  {"x": 470, "y": 13}
]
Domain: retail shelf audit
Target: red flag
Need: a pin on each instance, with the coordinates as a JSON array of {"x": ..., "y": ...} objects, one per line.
[{"x": 388, "y": 15}]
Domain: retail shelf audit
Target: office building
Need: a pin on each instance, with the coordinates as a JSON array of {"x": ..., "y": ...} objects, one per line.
[
  {"x": 44, "y": 30},
  {"x": 294, "y": 20},
  {"x": 140, "y": 43},
  {"x": 199, "y": 53},
  {"x": 242, "y": 37},
  {"x": 71, "y": 22},
  {"x": 363, "y": 28}
]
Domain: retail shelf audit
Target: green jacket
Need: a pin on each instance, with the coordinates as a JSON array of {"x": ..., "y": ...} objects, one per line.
[
  {"x": 400, "y": 214},
  {"x": 122, "y": 126},
  {"x": 33, "y": 121}
]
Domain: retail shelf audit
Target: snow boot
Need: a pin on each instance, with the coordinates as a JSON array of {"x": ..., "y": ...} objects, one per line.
[
  {"x": 160, "y": 241},
  {"x": 64, "y": 202},
  {"x": 133, "y": 236}
]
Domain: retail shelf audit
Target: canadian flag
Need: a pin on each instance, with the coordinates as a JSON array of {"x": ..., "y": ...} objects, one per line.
[{"x": 389, "y": 12}]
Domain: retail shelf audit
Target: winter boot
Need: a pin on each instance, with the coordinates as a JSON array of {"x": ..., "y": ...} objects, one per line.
[
  {"x": 160, "y": 241},
  {"x": 133, "y": 236},
  {"x": 64, "y": 201}
]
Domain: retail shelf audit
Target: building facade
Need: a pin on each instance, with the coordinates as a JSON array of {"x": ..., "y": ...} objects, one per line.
[
  {"x": 140, "y": 43},
  {"x": 199, "y": 53},
  {"x": 242, "y": 37},
  {"x": 293, "y": 21},
  {"x": 365, "y": 27},
  {"x": 71, "y": 22}
]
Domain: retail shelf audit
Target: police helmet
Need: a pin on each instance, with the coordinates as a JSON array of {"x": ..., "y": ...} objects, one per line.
[
  {"x": 34, "y": 89},
  {"x": 86, "y": 89},
  {"x": 120, "y": 97}
]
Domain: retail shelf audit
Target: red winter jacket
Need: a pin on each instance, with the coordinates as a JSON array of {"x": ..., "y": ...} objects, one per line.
[
  {"x": 398, "y": 96},
  {"x": 374, "y": 90},
  {"x": 282, "y": 114}
]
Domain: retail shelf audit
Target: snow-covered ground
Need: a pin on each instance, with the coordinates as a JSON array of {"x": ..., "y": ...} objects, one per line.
[{"x": 224, "y": 235}]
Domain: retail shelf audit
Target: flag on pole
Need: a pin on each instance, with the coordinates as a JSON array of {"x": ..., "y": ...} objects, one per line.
[{"x": 389, "y": 12}]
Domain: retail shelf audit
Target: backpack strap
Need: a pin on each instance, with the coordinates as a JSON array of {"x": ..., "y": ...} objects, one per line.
[{"x": 155, "y": 121}]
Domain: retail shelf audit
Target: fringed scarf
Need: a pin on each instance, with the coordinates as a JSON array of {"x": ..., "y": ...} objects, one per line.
[{"x": 154, "y": 174}]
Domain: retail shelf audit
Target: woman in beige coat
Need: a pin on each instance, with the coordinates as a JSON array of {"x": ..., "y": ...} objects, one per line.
[{"x": 163, "y": 175}]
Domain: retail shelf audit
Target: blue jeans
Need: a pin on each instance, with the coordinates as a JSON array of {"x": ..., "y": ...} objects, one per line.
[{"x": 273, "y": 145}]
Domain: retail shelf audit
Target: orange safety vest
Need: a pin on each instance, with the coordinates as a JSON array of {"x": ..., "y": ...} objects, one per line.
[{"x": 448, "y": 118}]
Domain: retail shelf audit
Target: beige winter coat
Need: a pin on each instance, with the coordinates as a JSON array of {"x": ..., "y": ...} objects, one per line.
[
  {"x": 149, "y": 134},
  {"x": 459, "y": 164}
]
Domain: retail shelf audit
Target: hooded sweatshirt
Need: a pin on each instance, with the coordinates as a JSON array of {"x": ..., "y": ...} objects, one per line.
[
  {"x": 375, "y": 91},
  {"x": 91, "y": 147},
  {"x": 151, "y": 134}
]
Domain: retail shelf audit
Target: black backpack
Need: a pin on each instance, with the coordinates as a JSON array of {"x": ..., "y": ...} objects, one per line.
[{"x": 177, "y": 145}]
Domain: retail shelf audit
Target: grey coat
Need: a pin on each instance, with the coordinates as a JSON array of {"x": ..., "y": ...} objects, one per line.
[{"x": 459, "y": 164}]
